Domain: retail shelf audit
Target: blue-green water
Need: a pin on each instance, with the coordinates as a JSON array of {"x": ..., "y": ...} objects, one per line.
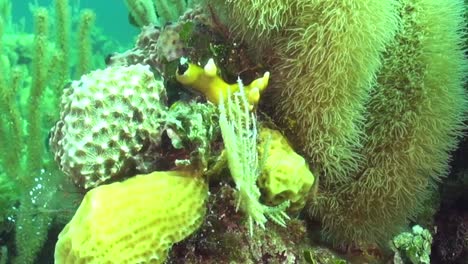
[{"x": 111, "y": 16}]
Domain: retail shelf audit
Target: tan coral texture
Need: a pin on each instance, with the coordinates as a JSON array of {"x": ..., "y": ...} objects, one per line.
[{"x": 110, "y": 122}]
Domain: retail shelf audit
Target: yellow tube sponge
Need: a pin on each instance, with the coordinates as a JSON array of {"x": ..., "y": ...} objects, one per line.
[
  {"x": 207, "y": 81},
  {"x": 285, "y": 174},
  {"x": 135, "y": 221}
]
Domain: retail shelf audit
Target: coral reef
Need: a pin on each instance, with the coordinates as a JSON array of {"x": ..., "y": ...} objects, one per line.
[
  {"x": 222, "y": 237},
  {"x": 318, "y": 42},
  {"x": 197, "y": 36},
  {"x": 159, "y": 46},
  {"x": 370, "y": 92},
  {"x": 122, "y": 111},
  {"x": 154, "y": 47},
  {"x": 321, "y": 110},
  {"x": 134, "y": 221},
  {"x": 181, "y": 151}
]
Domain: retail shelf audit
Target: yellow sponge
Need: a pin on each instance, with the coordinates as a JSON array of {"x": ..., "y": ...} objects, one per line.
[
  {"x": 285, "y": 174},
  {"x": 207, "y": 81},
  {"x": 135, "y": 221}
]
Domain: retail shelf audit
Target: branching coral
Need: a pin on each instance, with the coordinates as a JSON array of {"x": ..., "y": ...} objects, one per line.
[
  {"x": 85, "y": 26},
  {"x": 28, "y": 98},
  {"x": 156, "y": 12},
  {"x": 142, "y": 12}
]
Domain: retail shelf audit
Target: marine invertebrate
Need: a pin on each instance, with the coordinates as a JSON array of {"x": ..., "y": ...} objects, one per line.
[
  {"x": 207, "y": 81},
  {"x": 320, "y": 96},
  {"x": 193, "y": 127},
  {"x": 156, "y": 12},
  {"x": 110, "y": 124},
  {"x": 415, "y": 116},
  {"x": 170, "y": 10},
  {"x": 415, "y": 245},
  {"x": 370, "y": 92},
  {"x": 32, "y": 73},
  {"x": 23, "y": 158},
  {"x": 324, "y": 55},
  {"x": 5, "y": 11},
  {"x": 239, "y": 130},
  {"x": 142, "y": 12},
  {"x": 154, "y": 47},
  {"x": 257, "y": 21},
  {"x": 86, "y": 23},
  {"x": 169, "y": 45},
  {"x": 63, "y": 27},
  {"x": 285, "y": 175},
  {"x": 153, "y": 212},
  {"x": 8, "y": 197}
]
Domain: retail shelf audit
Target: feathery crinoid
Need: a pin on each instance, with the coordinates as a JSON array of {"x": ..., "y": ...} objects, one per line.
[{"x": 239, "y": 130}]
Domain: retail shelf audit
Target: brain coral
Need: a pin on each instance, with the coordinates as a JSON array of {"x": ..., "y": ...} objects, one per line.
[{"x": 110, "y": 124}]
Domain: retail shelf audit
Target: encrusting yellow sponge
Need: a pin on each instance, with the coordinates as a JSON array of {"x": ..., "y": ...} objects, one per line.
[
  {"x": 135, "y": 221},
  {"x": 207, "y": 81},
  {"x": 285, "y": 174}
]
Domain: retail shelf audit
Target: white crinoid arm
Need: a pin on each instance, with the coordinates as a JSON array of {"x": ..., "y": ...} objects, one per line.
[{"x": 239, "y": 130}]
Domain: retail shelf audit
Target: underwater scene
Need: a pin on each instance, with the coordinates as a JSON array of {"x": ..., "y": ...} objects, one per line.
[{"x": 233, "y": 131}]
